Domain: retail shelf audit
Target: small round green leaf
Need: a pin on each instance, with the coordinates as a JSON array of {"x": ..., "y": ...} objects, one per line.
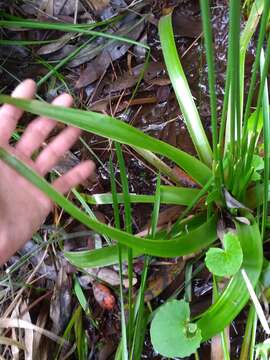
[
  {"x": 228, "y": 261},
  {"x": 171, "y": 333}
]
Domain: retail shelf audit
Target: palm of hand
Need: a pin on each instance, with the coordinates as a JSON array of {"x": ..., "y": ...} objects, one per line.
[{"x": 23, "y": 207}]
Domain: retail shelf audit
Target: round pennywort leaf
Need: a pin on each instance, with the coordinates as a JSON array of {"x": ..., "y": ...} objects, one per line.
[
  {"x": 172, "y": 335},
  {"x": 227, "y": 261}
]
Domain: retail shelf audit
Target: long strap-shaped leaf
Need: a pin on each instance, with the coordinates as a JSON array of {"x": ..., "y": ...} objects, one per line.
[
  {"x": 182, "y": 245},
  {"x": 168, "y": 195},
  {"x": 109, "y": 127},
  {"x": 29, "y": 24},
  {"x": 182, "y": 91},
  {"x": 108, "y": 255},
  {"x": 235, "y": 296}
]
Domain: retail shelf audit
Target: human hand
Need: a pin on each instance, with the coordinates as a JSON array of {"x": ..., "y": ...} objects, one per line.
[{"x": 23, "y": 207}]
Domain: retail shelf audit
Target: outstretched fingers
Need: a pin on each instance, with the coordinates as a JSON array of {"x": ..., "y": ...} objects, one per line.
[
  {"x": 39, "y": 129},
  {"x": 55, "y": 150},
  {"x": 9, "y": 114},
  {"x": 74, "y": 177}
]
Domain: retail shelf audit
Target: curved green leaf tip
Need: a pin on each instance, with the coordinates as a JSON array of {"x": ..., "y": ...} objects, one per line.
[
  {"x": 228, "y": 261},
  {"x": 172, "y": 335}
]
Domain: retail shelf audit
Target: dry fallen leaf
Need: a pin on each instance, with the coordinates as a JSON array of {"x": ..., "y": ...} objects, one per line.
[
  {"x": 61, "y": 306},
  {"x": 55, "y": 46},
  {"x": 28, "y": 333},
  {"x": 99, "y": 5},
  {"x": 115, "y": 50},
  {"x": 162, "y": 278}
]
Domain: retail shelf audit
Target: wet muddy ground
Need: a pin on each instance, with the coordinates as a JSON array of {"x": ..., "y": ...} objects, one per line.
[{"x": 155, "y": 111}]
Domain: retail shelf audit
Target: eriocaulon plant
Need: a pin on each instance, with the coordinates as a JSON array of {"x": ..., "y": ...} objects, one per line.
[{"x": 232, "y": 178}]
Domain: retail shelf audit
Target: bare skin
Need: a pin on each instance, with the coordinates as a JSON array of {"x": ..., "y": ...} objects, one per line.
[{"x": 23, "y": 208}]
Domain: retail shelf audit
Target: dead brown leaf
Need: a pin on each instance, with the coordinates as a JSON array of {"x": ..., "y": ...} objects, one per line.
[
  {"x": 55, "y": 46},
  {"x": 185, "y": 179},
  {"x": 60, "y": 308},
  {"x": 99, "y": 5},
  {"x": 111, "y": 53},
  {"x": 162, "y": 278}
]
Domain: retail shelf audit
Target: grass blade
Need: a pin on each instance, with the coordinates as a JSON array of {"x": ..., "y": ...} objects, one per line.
[
  {"x": 31, "y": 24},
  {"x": 208, "y": 37},
  {"x": 247, "y": 33},
  {"x": 233, "y": 65},
  {"x": 182, "y": 91},
  {"x": 141, "y": 317},
  {"x": 266, "y": 134},
  {"x": 124, "y": 346},
  {"x": 244, "y": 42},
  {"x": 264, "y": 73},
  {"x": 128, "y": 228}
]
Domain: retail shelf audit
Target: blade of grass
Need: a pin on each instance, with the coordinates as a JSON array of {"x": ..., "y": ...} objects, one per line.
[
  {"x": 70, "y": 326},
  {"x": 30, "y": 24},
  {"x": 125, "y": 187},
  {"x": 182, "y": 91},
  {"x": 128, "y": 228},
  {"x": 264, "y": 73},
  {"x": 245, "y": 348},
  {"x": 246, "y": 35},
  {"x": 255, "y": 67},
  {"x": 140, "y": 311},
  {"x": 266, "y": 135},
  {"x": 92, "y": 25},
  {"x": 233, "y": 65},
  {"x": 124, "y": 344},
  {"x": 80, "y": 338},
  {"x": 83, "y": 301},
  {"x": 208, "y": 38},
  {"x": 24, "y": 42}
]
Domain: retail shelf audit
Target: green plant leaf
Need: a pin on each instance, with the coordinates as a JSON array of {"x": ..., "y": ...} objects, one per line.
[
  {"x": 263, "y": 350},
  {"x": 235, "y": 296},
  {"x": 228, "y": 261},
  {"x": 172, "y": 335},
  {"x": 82, "y": 29},
  {"x": 182, "y": 91},
  {"x": 258, "y": 165},
  {"x": 169, "y": 195},
  {"x": 114, "y": 129},
  {"x": 108, "y": 255},
  {"x": 185, "y": 244}
]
